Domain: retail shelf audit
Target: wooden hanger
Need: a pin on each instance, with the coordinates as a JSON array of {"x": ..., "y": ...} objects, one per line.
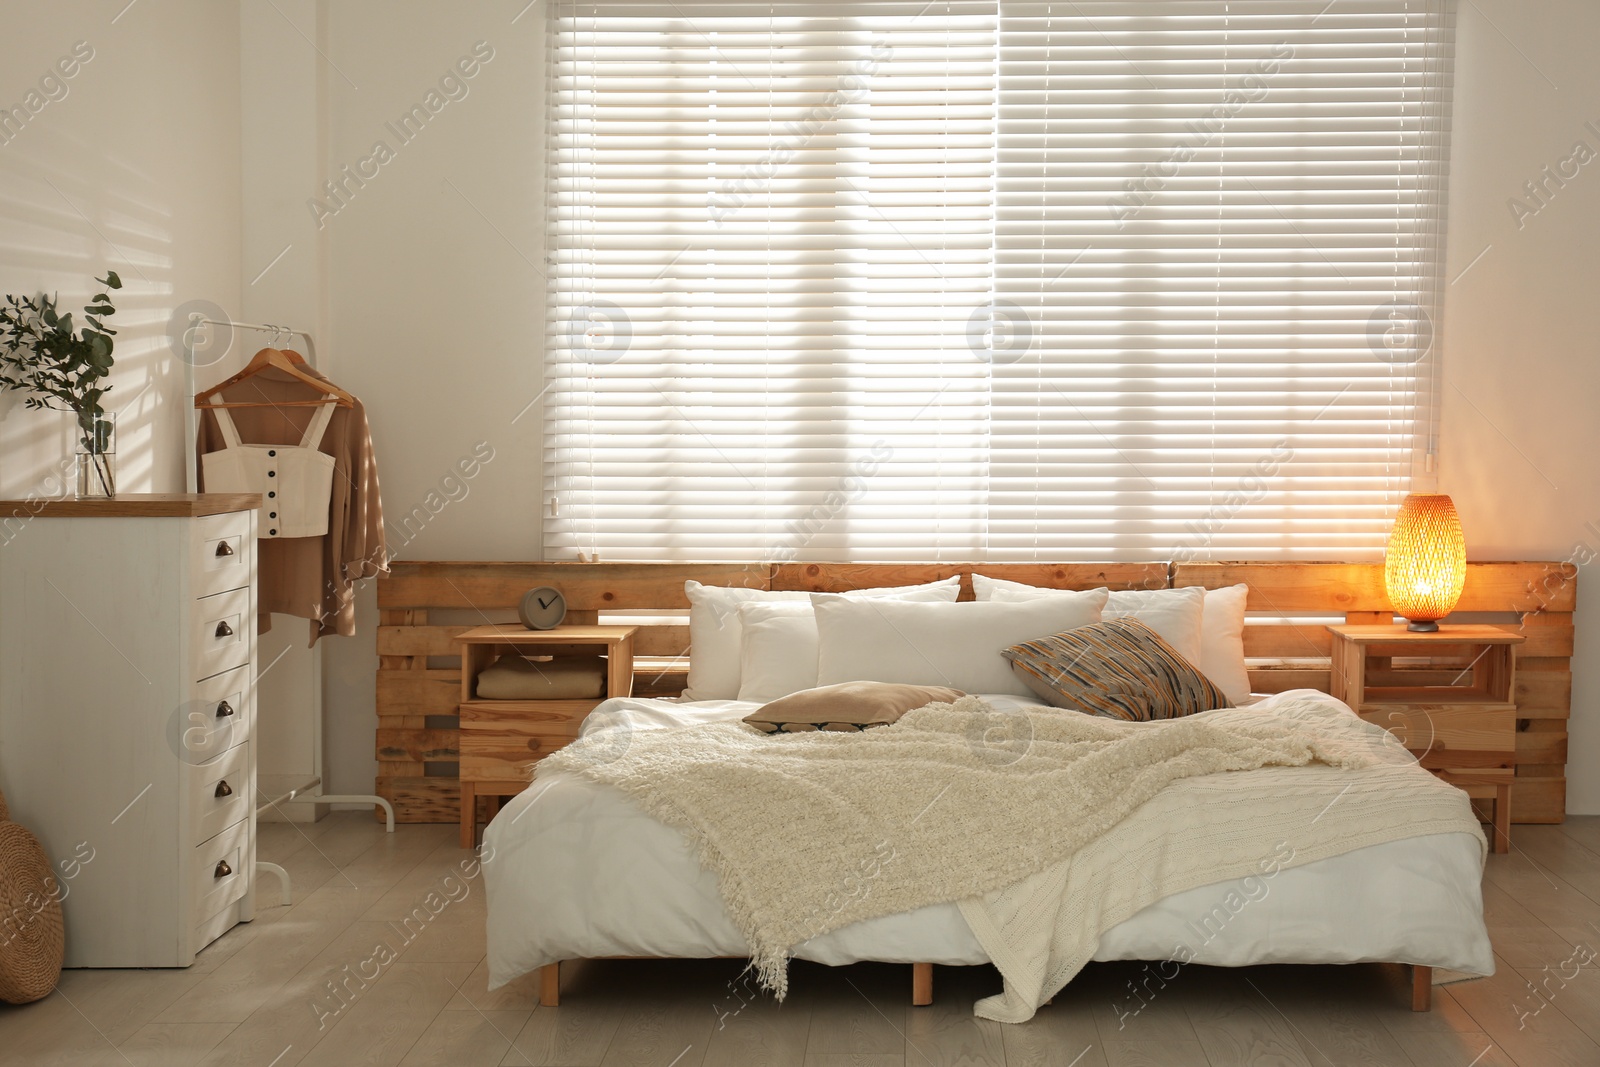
[{"x": 291, "y": 363}]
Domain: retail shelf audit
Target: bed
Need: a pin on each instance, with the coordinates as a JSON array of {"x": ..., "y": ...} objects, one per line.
[
  {"x": 579, "y": 871},
  {"x": 576, "y": 870}
]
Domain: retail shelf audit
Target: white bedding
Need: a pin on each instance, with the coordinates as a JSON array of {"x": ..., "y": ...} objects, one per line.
[{"x": 575, "y": 869}]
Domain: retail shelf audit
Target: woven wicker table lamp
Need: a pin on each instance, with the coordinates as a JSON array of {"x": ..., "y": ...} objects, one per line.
[{"x": 1425, "y": 566}]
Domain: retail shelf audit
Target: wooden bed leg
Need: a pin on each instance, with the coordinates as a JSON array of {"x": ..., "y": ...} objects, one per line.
[
  {"x": 1502, "y": 818},
  {"x": 469, "y": 815},
  {"x": 550, "y": 985},
  {"x": 921, "y": 984},
  {"x": 1421, "y": 988}
]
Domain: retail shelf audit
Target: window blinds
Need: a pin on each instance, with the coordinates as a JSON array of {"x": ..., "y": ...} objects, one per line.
[{"x": 1060, "y": 281}]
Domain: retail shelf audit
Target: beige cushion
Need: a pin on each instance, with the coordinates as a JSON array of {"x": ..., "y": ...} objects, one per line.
[
  {"x": 847, "y": 706},
  {"x": 511, "y": 677}
]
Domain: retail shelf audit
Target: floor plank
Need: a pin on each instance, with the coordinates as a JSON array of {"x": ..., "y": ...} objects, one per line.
[
  {"x": 1572, "y": 987},
  {"x": 862, "y": 1011},
  {"x": 173, "y": 1044},
  {"x": 1155, "y": 1053},
  {"x": 946, "y": 1033},
  {"x": 380, "y": 1028},
  {"x": 1432, "y": 1048},
  {"x": 758, "y": 1033},
  {"x": 1238, "y": 1024},
  {"x": 1533, "y": 1032},
  {"x": 120, "y": 1002},
  {"x": 1058, "y": 1036},
  {"x": 670, "y": 1030},
  {"x": 466, "y": 1039},
  {"x": 577, "y": 1035},
  {"x": 1337, "y": 1036}
]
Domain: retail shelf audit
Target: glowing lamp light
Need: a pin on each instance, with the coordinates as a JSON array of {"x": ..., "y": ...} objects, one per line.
[{"x": 1426, "y": 563}]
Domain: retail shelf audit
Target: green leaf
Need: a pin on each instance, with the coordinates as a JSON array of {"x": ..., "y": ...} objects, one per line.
[{"x": 111, "y": 280}]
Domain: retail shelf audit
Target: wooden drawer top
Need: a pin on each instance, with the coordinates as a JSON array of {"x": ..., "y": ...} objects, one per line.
[
  {"x": 136, "y": 506},
  {"x": 515, "y": 634},
  {"x": 1463, "y": 634}
]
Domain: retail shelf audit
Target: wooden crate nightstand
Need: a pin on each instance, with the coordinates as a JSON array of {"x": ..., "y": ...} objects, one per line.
[
  {"x": 502, "y": 739},
  {"x": 1448, "y": 699}
]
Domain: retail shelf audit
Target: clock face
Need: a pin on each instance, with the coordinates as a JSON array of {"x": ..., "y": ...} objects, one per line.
[{"x": 543, "y": 608}]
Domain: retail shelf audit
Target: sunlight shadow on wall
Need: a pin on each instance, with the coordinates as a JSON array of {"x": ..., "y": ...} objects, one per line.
[{"x": 67, "y": 214}]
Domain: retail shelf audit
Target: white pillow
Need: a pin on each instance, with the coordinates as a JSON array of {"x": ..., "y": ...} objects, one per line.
[
  {"x": 1174, "y": 614},
  {"x": 956, "y": 645},
  {"x": 1218, "y": 649},
  {"x": 1222, "y": 641},
  {"x": 715, "y": 634},
  {"x": 778, "y": 655}
]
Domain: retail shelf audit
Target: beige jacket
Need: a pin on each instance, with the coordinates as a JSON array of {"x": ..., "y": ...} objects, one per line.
[{"x": 312, "y": 577}]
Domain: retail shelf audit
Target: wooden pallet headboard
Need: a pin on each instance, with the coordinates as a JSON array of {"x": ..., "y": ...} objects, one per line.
[{"x": 423, "y": 605}]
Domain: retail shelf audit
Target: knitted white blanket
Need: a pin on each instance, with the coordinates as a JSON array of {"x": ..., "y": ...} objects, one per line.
[{"x": 811, "y": 832}]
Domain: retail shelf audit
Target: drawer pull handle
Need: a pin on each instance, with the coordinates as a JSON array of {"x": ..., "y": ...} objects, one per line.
[
  {"x": 224, "y": 549},
  {"x": 223, "y": 870},
  {"x": 224, "y": 709},
  {"x": 223, "y": 789},
  {"x": 224, "y": 630}
]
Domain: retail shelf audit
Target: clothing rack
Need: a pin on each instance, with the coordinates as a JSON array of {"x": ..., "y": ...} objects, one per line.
[{"x": 272, "y": 790}]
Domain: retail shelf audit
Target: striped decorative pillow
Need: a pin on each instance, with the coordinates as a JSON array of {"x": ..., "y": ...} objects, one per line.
[{"x": 1121, "y": 668}]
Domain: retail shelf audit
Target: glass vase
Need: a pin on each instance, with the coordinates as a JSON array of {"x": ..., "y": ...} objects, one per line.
[{"x": 97, "y": 456}]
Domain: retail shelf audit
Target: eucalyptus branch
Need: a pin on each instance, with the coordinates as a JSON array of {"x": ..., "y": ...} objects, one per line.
[{"x": 41, "y": 354}]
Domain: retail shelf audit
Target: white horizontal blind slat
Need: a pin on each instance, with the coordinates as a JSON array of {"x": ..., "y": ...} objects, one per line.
[{"x": 1088, "y": 280}]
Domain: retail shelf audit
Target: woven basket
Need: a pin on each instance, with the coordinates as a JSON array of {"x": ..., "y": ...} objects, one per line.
[{"x": 32, "y": 937}]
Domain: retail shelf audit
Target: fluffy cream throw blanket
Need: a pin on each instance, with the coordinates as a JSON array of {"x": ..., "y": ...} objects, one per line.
[{"x": 810, "y": 832}]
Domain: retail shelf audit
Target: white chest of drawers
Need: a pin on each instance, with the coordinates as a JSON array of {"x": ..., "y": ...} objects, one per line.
[{"x": 127, "y": 669}]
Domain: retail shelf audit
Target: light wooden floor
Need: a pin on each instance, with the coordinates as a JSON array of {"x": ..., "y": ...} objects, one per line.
[{"x": 250, "y": 998}]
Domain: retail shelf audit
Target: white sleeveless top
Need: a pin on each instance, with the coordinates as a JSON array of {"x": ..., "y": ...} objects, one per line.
[{"x": 295, "y": 481}]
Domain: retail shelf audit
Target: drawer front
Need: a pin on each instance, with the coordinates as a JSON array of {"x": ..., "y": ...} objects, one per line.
[
  {"x": 220, "y": 793},
  {"x": 222, "y": 869},
  {"x": 1458, "y": 735},
  {"x": 503, "y": 743},
  {"x": 223, "y": 554},
  {"x": 220, "y": 629},
  {"x": 502, "y": 758},
  {"x": 218, "y": 716}
]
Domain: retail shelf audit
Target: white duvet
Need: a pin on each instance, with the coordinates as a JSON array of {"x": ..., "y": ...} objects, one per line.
[{"x": 575, "y": 870}]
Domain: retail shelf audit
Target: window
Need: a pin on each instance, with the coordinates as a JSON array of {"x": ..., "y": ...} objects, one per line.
[{"x": 881, "y": 281}]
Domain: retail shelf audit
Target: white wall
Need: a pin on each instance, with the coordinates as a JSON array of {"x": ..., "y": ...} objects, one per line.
[
  {"x": 284, "y": 82},
  {"x": 1522, "y": 378},
  {"x": 435, "y": 294},
  {"x": 136, "y": 169}
]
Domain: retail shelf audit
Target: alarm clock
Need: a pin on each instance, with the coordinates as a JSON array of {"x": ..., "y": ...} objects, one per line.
[{"x": 542, "y": 608}]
